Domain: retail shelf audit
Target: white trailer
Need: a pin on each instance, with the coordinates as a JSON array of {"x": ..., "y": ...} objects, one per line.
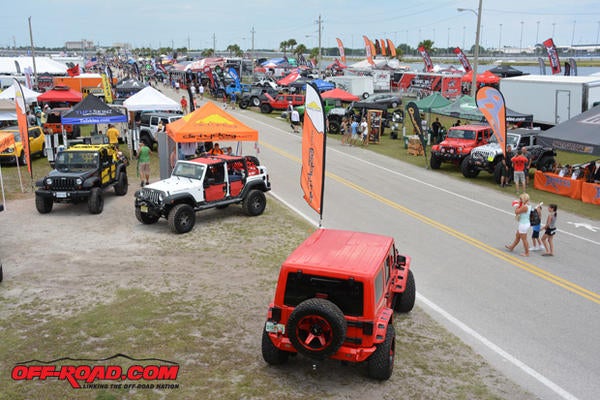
[
  {"x": 361, "y": 86},
  {"x": 551, "y": 99}
]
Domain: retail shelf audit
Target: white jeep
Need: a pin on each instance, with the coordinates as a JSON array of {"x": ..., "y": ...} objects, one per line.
[{"x": 203, "y": 183}]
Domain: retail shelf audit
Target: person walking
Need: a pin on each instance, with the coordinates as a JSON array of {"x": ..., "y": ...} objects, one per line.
[
  {"x": 522, "y": 215},
  {"x": 295, "y": 120},
  {"x": 345, "y": 131},
  {"x": 550, "y": 230},
  {"x": 519, "y": 162},
  {"x": 436, "y": 126},
  {"x": 144, "y": 163},
  {"x": 364, "y": 130},
  {"x": 201, "y": 91},
  {"x": 354, "y": 131},
  {"x": 184, "y": 104},
  {"x": 505, "y": 176},
  {"x": 536, "y": 224},
  {"x": 113, "y": 136}
]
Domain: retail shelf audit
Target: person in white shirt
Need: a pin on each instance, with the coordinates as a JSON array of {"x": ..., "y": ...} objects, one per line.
[{"x": 364, "y": 130}]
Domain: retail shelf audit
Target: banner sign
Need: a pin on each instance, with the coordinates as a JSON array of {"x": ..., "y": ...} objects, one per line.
[
  {"x": 491, "y": 104},
  {"x": 552, "y": 56},
  {"x": 426, "y": 59},
  {"x": 463, "y": 59}
]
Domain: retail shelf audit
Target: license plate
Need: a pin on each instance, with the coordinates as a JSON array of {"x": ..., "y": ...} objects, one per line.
[
  {"x": 144, "y": 209},
  {"x": 272, "y": 327},
  {"x": 61, "y": 195}
]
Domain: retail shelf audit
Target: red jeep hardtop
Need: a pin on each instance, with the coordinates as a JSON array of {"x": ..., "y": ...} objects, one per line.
[{"x": 335, "y": 298}]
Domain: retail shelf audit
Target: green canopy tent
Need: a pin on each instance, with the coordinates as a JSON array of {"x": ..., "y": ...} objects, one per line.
[
  {"x": 433, "y": 101},
  {"x": 465, "y": 108}
]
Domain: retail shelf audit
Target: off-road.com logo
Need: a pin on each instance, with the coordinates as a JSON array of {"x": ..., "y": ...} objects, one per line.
[{"x": 85, "y": 376}]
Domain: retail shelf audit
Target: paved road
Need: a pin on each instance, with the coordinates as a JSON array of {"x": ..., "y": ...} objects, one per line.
[{"x": 537, "y": 319}]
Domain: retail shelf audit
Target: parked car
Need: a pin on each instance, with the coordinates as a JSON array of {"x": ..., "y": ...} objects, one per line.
[
  {"x": 335, "y": 298},
  {"x": 390, "y": 100},
  {"x": 37, "y": 145},
  {"x": 280, "y": 102},
  {"x": 149, "y": 125},
  {"x": 255, "y": 96}
]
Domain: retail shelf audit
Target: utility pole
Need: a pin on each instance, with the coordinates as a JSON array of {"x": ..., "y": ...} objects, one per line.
[
  {"x": 214, "y": 44},
  {"x": 32, "y": 53},
  {"x": 320, "y": 21},
  {"x": 252, "y": 31}
]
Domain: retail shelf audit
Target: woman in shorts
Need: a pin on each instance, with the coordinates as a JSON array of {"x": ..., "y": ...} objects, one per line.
[{"x": 550, "y": 230}]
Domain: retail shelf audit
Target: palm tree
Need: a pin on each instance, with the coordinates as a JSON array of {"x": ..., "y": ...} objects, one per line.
[
  {"x": 291, "y": 43},
  {"x": 427, "y": 44},
  {"x": 207, "y": 53},
  {"x": 300, "y": 49},
  {"x": 234, "y": 49},
  {"x": 283, "y": 47}
]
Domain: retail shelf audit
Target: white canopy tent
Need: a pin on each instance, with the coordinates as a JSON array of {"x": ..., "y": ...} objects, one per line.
[
  {"x": 8, "y": 111},
  {"x": 9, "y": 94},
  {"x": 150, "y": 99},
  {"x": 44, "y": 65}
]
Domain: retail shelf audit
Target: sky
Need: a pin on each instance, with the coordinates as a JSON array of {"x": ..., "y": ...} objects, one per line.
[{"x": 200, "y": 23}]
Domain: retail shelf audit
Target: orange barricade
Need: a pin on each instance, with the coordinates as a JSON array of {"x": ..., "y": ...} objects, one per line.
[
  {"x": 565, "y": 186},
  {"x": 590, "y": 193}
]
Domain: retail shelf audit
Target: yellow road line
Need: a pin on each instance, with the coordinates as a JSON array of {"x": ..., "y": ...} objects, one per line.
[{"x": 508, "y": 257}]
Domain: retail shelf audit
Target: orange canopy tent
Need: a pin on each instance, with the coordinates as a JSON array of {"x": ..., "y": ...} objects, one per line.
[
  {"x": 339, "y": 94},
  {"x": 210, "y": 123}
]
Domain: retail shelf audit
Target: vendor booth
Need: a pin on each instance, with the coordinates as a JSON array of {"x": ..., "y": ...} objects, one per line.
[
  {"x": 6, "y": 140},
  {"x": 209, "y": 123}
]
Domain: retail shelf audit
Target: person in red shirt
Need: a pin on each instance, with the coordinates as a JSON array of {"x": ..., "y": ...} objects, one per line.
[
  {"x": 519, "y": 162},
  {"x": 184, "y": 104}
]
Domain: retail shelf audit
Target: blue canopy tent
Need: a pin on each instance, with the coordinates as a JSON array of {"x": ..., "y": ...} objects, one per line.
[
  {"x": 323, "y": 86},
  {"x": 91, "y": 110}
]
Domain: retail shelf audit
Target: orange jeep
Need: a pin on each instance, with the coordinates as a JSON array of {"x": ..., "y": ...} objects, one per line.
[
  {"x": 457, "y": 145},
  {"x": 335, "y": 298}
]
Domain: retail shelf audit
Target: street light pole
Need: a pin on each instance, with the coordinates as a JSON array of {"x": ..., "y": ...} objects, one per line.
[{"x": 476, "y": 58}]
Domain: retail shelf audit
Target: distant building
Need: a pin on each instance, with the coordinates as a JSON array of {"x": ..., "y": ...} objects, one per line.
[{"x": 81, "y": 44}]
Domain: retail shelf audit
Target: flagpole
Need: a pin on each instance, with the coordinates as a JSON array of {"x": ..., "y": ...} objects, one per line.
[{"x": 32, "y": 54}]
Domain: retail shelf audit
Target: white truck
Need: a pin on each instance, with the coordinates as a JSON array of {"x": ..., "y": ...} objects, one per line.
[
  {"x": 551, "y": 99},
  {"x": 361, "y": 86}
]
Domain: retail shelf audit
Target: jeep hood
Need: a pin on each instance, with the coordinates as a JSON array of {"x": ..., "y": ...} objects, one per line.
[
  {"x": 490, "y": 147},
  {"x": 174, "y": 184}
]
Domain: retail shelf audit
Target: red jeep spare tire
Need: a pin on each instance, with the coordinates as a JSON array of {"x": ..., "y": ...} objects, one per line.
[{"x": 317, "y": 328}]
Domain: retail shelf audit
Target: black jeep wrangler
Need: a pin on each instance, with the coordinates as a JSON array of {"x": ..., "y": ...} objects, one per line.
[{"x": 81, "y": 173}]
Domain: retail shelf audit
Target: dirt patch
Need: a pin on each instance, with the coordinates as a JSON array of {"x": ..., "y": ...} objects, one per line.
[{"x": 91, "y": 286}]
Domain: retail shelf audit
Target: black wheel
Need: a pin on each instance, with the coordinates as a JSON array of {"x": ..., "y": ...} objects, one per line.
[
  {"x": 22, "y": 160},
  {"x": 334, "y": 127},
  {"x": 316, "y": 328},
  {"x": 1, "y": 273},
  {"x": 145, "y": 218},
  {"x": 498, "y": 173},
  {"x": 405, "y": 301},
  {"x": 254, "y": 204},
  {"x": 265, "y": 108},
  {"x": 270, "y": 353},
  {"x": 468, "y": 169},
  {"x": 121, "y": 185},
  {"x": 182, "y": 218},
  {"x": 394, "y": 104},
  {"x": 43, "y": 204},
  {"x": 365, "y": 95},
  {"x": 546, "y": 163},
  {"x": 244, "y": 104},
  {"x": 96, "y": 201},
  {"x": 146, "y": 137},
  {"x": 435, "y": 162},
  {"x": 255, "y": 101},
  {"x": 381, "y": 363}
]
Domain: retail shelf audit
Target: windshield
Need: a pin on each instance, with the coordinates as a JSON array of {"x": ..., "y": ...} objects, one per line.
[
  {"x": 189, "y": 170},
  {"x": 512, "y": 140},
  {"x": 76, "y": 160},
  {"x": 461, "y": 134}
]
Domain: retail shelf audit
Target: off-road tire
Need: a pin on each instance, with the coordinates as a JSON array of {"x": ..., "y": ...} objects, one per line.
[
  {"x": 182, "y": 218},
  {"x": 468, "y": 169},
  {"x": 145, "y": 218},
  {"x": 1, "y": 273},
  {"x": 435, "y": 162},
  {"x": 381, "y": 363},
  {"x": 316, "y": 328},
  {"x": 255, "y": 101},
  {"x": 22, "y": 160},
  {"x": 545, "y": 164},
  {"x": 121, "y": 185},
  {"x": 43, "y": 204},
  {"x": 334, "y": 127},
  {"x": 271, "y": 354},
  {"x": 255, "y": 202},
  {"x": 244, "y": 104},
  {"x": 405, "y": 301},
  {"x": 394, "y": 104},
  {"x": 96, "y": 201},
  {"x": 266, "y": 108}
]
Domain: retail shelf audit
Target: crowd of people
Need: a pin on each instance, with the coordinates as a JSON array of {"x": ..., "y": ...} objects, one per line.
[{"x": 530, "y": 217}]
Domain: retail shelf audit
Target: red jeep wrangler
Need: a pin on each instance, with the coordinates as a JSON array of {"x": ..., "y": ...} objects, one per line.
[
  {"x": 459, "y": 142},
  {"x": 336, "y": 297},
  {"x": 280, "y": 102}
]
